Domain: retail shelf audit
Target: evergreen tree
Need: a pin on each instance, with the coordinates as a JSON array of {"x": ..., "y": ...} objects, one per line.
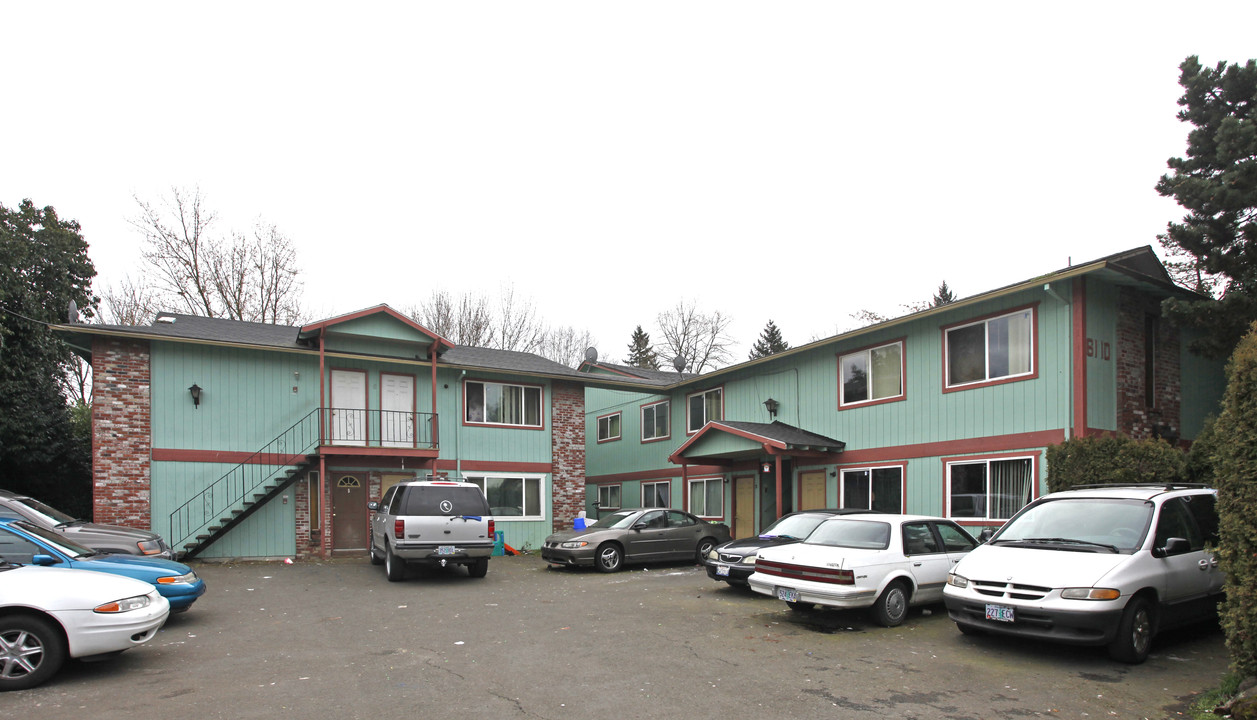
[
  {"x": 770, "y": 342},
  {"x": 1214, "y": 247},
  {"x": 641, "y": 353},
  {"x": 43, "y": 266},
  {"x": 943, "y": 296}
]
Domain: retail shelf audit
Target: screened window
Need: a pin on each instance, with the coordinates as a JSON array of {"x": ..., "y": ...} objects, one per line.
[
  {"x": 707, "y": 498},
  {"x": 657, "y": 494},
  {"x": 879, "y": 489},
  {"x": 511, "y": 497},
  {"x": 991, "y": 349},
  {"x": 989, "y": 489},
  {"x": 609, "y": 427},
  {"x": 705, "y": 407},
  {"x": 655, "y": 424},
  {"x": 608, "y": 497},
  {"x": 873, "y": 374},
  {"x": 502, "y": 404}
]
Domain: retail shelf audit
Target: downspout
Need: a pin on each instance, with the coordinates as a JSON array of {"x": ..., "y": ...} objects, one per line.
[
  {"x": 324, "y": 509},
  {"x": 458, "y": 428},
  {"x": 436, "y": 422},
  {"x": 1079, "y": 310}
]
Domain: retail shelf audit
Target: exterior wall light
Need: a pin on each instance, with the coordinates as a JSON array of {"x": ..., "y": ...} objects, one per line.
[
  {"x": 772, "y": 406},
  {"x": 196, "y": 395}
]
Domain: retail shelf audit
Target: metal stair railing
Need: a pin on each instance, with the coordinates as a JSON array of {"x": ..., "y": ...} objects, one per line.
[{"x": 254, "y": 476}]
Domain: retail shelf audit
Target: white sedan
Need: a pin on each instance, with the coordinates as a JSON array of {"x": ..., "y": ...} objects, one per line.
[
  {"x": 883, "y": 562},
  {"x": 48, "y": 614}
]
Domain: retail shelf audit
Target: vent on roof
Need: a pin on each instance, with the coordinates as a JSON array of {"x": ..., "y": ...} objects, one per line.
[{"x": 164, "y": 319}]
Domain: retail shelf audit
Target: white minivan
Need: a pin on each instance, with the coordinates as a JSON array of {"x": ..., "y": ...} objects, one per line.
[{"x": 1094, "y": 565}]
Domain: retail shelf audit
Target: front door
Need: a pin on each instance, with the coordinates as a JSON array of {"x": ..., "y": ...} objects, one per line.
[
  {"x": 349, "y": 514},
  {"x": 397, "y": 410},
  {"x": 349, "y": 407},
  {"x": 812, "y": 490},
  {"x": 743, "y": 507}
]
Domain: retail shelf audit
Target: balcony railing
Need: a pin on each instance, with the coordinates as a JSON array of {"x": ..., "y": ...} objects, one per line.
[{"x": 380, "y": 428}]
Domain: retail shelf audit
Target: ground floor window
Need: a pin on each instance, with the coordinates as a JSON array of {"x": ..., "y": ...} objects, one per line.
[
  {"x": 608, "y": 497},
  {"x": 989, "y": 489},
  {"x": 512, "y": 496},
  {"x": 707, "y": 497},
  {"x": 879, "y": 489},
  {"x": 657, "y": 494}
]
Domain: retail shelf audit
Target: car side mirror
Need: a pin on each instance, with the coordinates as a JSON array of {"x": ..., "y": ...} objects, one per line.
[
  {"x": 985, "y": 535},
  {"x": 1173, "y": 546},
  {"x": 373, "y": 506},
  {"x": 640, "y": 526},
  {"x": 44, "y": 560}
]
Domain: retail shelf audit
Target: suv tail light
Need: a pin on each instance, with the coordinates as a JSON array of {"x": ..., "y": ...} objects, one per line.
[
  {"x": 399, "y": 528},
  {"x": 492, "y": 534}
]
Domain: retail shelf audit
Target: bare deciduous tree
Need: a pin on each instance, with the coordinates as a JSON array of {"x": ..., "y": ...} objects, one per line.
[
  {"x": 566, "y": 345},
  {"x": 698, "y": 338},
  {"x": 463, "y": 321},
  {"x": 128, "y": 303},
  {"x": 249, "y": 277},
  {"x": 516, "y": 326}
]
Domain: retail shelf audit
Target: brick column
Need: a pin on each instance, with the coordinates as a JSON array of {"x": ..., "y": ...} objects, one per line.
[
  {"x": 567, "y": 450},
  {"x": 122, "y": 439},
  {"x": 1135, "y": 417}
]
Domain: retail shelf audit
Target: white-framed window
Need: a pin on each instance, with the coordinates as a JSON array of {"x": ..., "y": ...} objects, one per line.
[
  {"x": 512, "y": 496},
  {"x": 707, "y": 497},
  {"x": 609, "y": 427},
  {"x": 703, "y": 407},
  {"x": 873, "y": 488},
  {"x": 657, "y": 494},
  {"x": 608, "y": 497},
  {"x": 992, "y": 489},
  {"x": 491, "y": 403},
  {"x": 656, "y": 421},
  {"x": 991, "y": 349},
  {"x": 871, "y": 375}
]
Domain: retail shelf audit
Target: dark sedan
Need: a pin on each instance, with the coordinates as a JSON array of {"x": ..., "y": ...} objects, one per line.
[
  {"x": 734, "y": 562},
  {"x": 634, "y": 536}
]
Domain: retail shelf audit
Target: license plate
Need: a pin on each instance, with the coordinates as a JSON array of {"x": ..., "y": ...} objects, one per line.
[
  {"x": 446, "y": 550},
  {"x": 722, "y": 570},
  {"x": 999, "y": 613},
  {"x": 787, "y": 594}
]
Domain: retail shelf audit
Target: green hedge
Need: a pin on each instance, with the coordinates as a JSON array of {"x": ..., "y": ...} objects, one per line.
[
  {"x": 1235, "y": 464},
  {"x": 1112, "y": 460}
]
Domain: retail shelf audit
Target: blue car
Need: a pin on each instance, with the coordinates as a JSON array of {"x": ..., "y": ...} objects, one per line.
[{"x": 24, "y": 543}]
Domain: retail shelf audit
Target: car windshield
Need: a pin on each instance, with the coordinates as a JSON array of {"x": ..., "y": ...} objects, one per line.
[
  {"x": 793, "y": 526},
  {"x": 74, "y": 550},
  {"x": 1119, "y": 524},
  {"x": 621, "y": 519},
  {"x": 862, "y": 534},
  {"x": 53, "y": 516}
]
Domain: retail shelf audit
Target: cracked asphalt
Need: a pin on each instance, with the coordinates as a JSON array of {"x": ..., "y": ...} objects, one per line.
[{"x": 337, "y": 640}]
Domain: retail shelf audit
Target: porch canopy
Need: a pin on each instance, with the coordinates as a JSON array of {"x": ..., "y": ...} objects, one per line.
[{"x": 735, "y": 444}]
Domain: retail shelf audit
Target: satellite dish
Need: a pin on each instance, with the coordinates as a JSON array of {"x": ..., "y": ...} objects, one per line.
[
  {"x": 678, "y": 362},
  {"x": 591, "y": 354},
  {"x": 73, "y": 312}
]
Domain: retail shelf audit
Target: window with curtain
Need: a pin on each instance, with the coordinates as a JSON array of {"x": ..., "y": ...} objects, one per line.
[
  {"x": 511, "y": 496},
  {"x": 502, "y": 404},
  {"x": 705, "y": 407},
  {"x": 707, "y": 497},
  {"x": 872, "y": 374},
  {"x": 609, "y": 497},
  {"x": 657, "y": 494},
  {"x": 609, "y": 427},
  {"x": 989, "y": 489},
  {"x": 879, "y": 489},
  {"x": 991, "y": 349}
]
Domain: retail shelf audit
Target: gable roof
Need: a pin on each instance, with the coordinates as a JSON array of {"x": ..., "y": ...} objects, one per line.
[{"x": 753, "y": 439}]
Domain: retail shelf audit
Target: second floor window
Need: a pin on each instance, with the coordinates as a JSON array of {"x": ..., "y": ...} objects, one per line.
[
  {"x": 655, "y": 421},
  {"x": 609, "y": 427},
  {"x": 705, "y": 407},
  {"x": 501, "y": 404},
  {"x": 992, "y": 349},
  {"x": 872, "y": 374}
]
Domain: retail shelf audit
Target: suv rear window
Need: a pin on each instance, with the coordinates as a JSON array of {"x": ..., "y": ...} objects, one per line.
[{"x": 427, "y": 499}]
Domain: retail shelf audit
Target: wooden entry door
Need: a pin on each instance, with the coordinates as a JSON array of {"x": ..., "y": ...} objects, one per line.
[
  {"x": 743, "y": 507},
  {"x": 349, "y": 407},
  {"x": 397, "y": 410},
  {"x": 812, "y": 490},
  {"x": 349, "y": 514}
]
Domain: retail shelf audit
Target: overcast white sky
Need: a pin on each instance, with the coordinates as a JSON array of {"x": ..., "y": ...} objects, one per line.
[{"x": 797, "y": 161}]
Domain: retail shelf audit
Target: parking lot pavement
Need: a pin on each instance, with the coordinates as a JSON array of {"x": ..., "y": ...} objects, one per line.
[{"x": 337, "y": 640}]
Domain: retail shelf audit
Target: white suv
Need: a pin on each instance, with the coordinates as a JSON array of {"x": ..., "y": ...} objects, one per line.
[
  {"x": 1094, "y": 565},
  {"x": 431, "y": 522}
]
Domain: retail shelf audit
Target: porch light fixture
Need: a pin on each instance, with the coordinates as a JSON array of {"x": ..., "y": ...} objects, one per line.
[
  {"x": 196, "y": 395},
  {"x": 772, "y": 406}
]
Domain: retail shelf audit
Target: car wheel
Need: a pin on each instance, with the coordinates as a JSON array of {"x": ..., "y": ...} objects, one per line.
[
  {"x": 609, "y": 558},
  {"x": 31, "y": 651},
  {"x": 704, "y": 546},
  {"x": 394, "y": 567},
  {"x": 1134, "y": 633},
  {"x": 479, "y": 568},
  {"x": 891, "y": 606},
  {"x": 375, "y": 554}
]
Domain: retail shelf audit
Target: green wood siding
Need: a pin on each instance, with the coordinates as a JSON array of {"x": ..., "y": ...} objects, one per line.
[{"x": 1102, "y": 358}]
